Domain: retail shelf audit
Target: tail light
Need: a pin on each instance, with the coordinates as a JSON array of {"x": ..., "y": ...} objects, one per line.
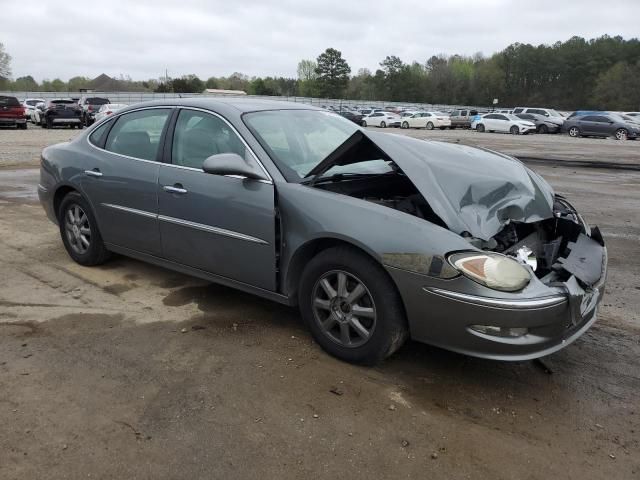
[
  {"x": 109, "y": 112},
  {"x": 90, "y": 108}
]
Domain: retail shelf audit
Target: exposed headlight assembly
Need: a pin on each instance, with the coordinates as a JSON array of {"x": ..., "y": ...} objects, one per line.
[{"x": 498, "y": 272}]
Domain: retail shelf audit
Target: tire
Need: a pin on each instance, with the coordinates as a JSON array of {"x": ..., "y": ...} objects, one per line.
[
  {"x": 383, "y": 124},
  {"x": 514, "y": 130},
  {"x": 442, "y": 128},
  {"x": 81, "y": 237},
  {"x": 429, "y": 126},
  {"x": 480, "y": 128},
  {"x": 364, "y": 123},
  {"x": 22, "y": 126},
  {"x": 79, "y": 126},
  {"x": 621, "y": 134},
  {"x": 574, "y": 132},
  {"x": 543, "y": 129},
  {"x": 405, "y": 125},
  {"x": 49, "y": 122},
  {"x": 385, "y": 322}
]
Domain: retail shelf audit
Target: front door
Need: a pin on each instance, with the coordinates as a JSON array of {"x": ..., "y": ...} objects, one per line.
[
  {"x": 219, "y": 224},
  {"x": 121, "y": 179}
]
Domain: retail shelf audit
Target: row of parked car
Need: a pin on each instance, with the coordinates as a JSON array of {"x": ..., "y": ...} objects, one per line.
[
  {"x": 71, "y": 112},
  {"x": 517, "y": 121}
]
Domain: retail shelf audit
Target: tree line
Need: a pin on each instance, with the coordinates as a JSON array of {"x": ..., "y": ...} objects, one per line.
[{"x": 600, "y": 73}]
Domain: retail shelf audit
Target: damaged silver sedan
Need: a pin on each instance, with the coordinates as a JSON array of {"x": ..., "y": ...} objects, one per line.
[{"x": 376, "y": 237}]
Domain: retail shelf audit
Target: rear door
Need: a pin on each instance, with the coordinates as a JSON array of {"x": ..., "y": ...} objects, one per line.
[
  {"x": 121, "y": 179},
  {"x": 223, "y": 225}
]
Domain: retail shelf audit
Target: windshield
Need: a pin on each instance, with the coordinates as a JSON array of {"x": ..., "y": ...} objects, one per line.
[
  {"x": 298, "y": 140},
  {"x": 553, "y": 113}
]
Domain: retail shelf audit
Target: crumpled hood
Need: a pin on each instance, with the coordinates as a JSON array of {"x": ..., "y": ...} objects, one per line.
[{"x": 470, "y": 189}]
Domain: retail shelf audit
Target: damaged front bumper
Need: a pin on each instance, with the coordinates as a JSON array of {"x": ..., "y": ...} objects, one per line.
[{"x": 534, "y": 323}]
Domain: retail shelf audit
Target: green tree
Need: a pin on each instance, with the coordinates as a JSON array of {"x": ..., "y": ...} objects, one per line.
[
  {"x": 76, "y": 83},
  {"x": 5, "y": 66},
  {"x": 333, "y": 73},
  {"x": 617, "y": 88},
  {"x": 25, "y": 84}
]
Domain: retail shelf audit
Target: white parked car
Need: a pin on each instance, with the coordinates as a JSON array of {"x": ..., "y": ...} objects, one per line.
[
  {"x": 381, "y": 119},
  {"x": 502, "y": 122},
  {"x": 428, "y": 120},
  {"x": 107, "y": 109},
  {"x": 29, "y": 106},
  {"x": 36, "y": 113}
]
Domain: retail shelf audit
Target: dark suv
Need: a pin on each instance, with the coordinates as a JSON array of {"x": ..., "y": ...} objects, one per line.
[
  {"x": 90, "y": 106},
  {"x": 12, "y": 112},
  {"x": 61, "y": 111}
]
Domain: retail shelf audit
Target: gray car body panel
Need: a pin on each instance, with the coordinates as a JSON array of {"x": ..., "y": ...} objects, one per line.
[{"x": 471, "y": 190}]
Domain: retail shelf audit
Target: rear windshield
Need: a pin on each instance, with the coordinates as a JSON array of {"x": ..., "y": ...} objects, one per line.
[
  {"x": 97, "y": 101},
  {"x": 33, "y": 103},
  {"x": 9, "y": 101}
]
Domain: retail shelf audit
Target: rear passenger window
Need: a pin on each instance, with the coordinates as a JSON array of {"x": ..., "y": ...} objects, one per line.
[
  {"x": 98, "y": 136},
  {"x": 137, "y": 134}
]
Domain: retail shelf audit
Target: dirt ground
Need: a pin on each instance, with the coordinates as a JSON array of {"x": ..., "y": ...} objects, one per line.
[{"x": 132, "y": 371}]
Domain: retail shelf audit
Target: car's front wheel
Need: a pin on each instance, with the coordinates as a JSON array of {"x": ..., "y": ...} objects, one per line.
[
  {"x": 351, "y": 306},
  {"x": 383, "y": 124},
  {"x": 364, "y": 123},
  {"x": 405, "y": 125},
  {"x": 574, "y": 132},
  {"x": 480, "y": 128},
  {"x": 79, "y": 231},
  {"x": 514, "y": 130},
  {"x": 543, "y": 129}
]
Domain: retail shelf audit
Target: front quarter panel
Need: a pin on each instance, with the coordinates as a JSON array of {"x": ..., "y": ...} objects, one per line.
[{"x": 393, "y": 238}]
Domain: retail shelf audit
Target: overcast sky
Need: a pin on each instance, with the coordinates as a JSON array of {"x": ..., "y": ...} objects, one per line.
[{"x": 141, "y": 38}]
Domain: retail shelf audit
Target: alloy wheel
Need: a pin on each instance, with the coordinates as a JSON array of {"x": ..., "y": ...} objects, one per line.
[
  {"x": 77, "y": 229},
  {"x": 573, "y": 132},
  {"x": 344, "y": 308},
  {"x": 621, "y": 134}
]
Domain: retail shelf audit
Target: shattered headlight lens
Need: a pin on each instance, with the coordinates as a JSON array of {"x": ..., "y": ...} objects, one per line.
[{"x": 492, "y": 270}]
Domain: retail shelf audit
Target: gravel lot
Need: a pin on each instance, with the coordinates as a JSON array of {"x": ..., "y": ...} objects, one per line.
[{"x": 131, "y": 371}]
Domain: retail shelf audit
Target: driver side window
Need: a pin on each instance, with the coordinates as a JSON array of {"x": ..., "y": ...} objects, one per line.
[{"x": 198, "y": 135}]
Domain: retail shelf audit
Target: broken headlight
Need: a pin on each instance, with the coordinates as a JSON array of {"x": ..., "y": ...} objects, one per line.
[{"x": 495, "y": 271}]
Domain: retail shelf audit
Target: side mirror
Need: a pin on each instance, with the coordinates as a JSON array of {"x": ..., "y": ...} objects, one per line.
[{"x": 232, "y": 164}]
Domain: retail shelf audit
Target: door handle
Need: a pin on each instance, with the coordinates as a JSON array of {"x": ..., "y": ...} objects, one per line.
[
  {"x": 93, "y": 173},
  {"x": 177, "y": 188}
]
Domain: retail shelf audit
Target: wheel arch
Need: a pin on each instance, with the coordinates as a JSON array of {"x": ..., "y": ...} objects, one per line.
[{"x": 305, "y": 252}]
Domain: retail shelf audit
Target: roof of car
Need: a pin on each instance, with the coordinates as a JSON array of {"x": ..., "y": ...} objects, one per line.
[{"x": 241, "y": 105}]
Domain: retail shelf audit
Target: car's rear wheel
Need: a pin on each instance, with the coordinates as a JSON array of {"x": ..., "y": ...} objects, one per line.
[
  {"x": 405, "y": 125},
  {"x": 79, "y": 230},
  {"x": 574, "y": 132},
  {"x": 22, "y": 126},
  {"x": 543, "y": 129},
  {"x": 442, "y": 128},
  {"x": 351, "y": 306},
  {"x": 514, "y": 130},
  {"x": 429, "y": 126},
  {"x": 383, "y": 124},
  {"x": 480, "y": 128},
  {"x": 622, "y": 134}
]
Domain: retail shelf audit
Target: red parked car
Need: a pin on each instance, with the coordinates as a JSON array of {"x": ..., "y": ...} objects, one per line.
[{"x": 12, "y": 112}]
